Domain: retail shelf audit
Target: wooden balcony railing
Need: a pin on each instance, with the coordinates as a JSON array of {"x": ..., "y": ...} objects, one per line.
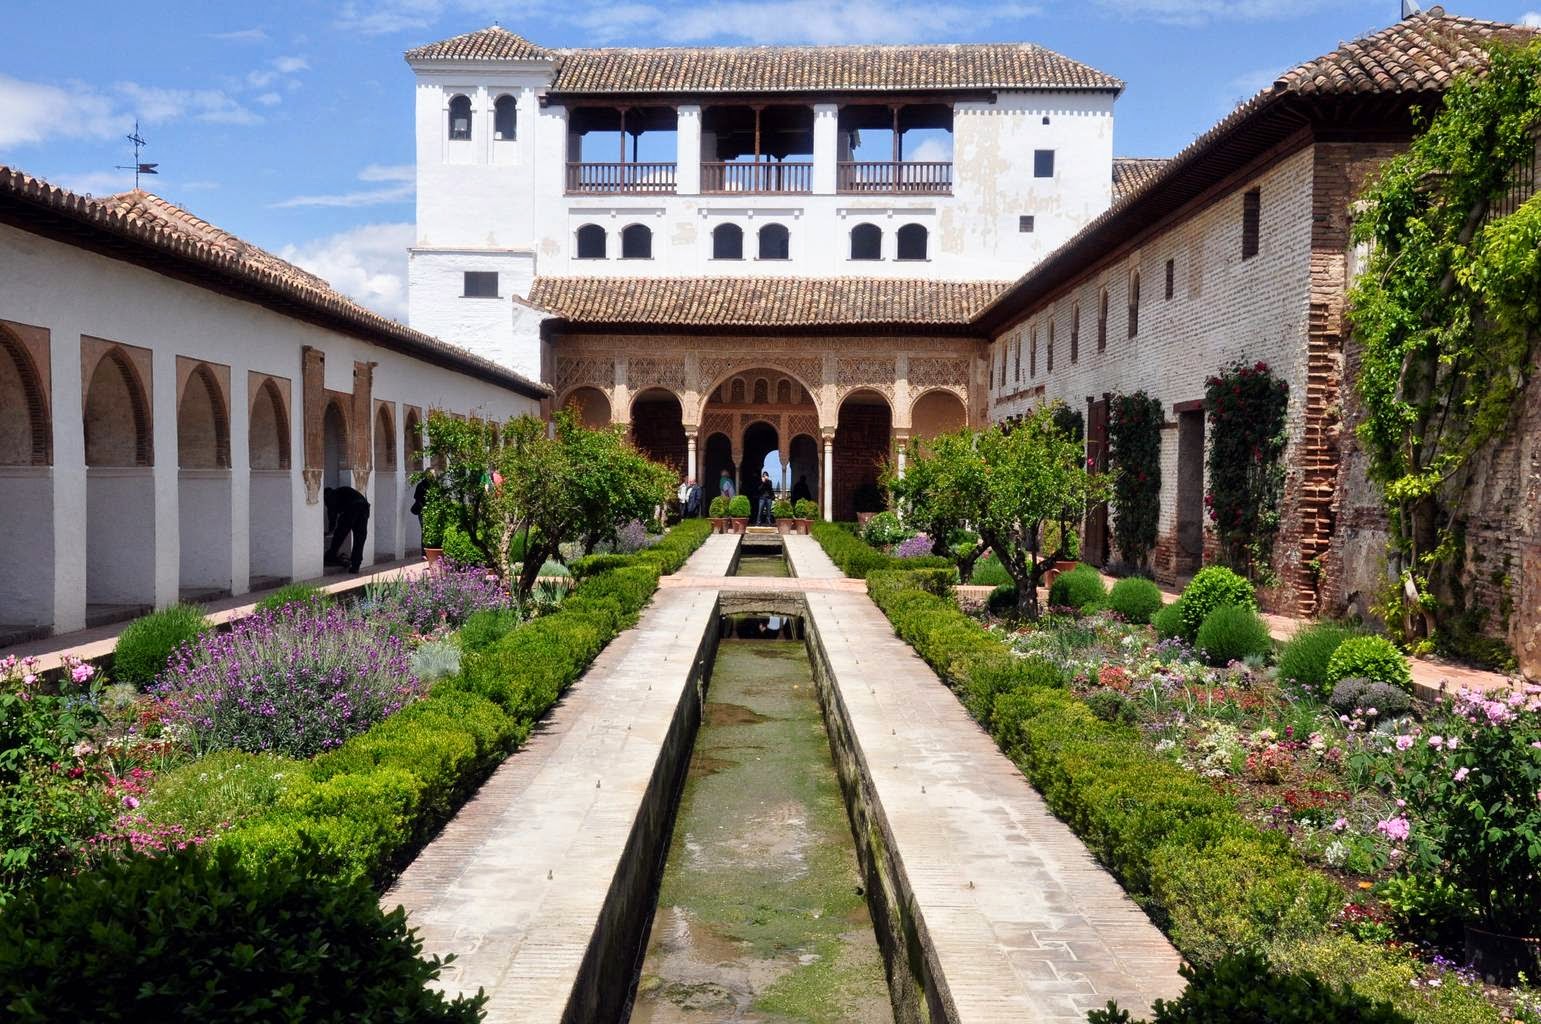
[
  {"x": 764, "y": 177},
  {"x": 627, "y": 177},
  {"x": 912, "y": 176}
]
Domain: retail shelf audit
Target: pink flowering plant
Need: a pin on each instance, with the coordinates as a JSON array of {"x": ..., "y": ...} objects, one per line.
[
  {"x": 1472, "y": 777},
  {"x": 296, "y": 681}
]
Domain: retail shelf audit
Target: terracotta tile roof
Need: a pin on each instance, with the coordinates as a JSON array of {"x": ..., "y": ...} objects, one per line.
[
  {"x": 761, "y": 301},
  {"x": 1411, "y": 61},
  {"x": 1133, "y": 172},
  {"x": 144, "y": 228},
  {"x": 800, "y": 69},
  {"x": 494, "y": 43}
]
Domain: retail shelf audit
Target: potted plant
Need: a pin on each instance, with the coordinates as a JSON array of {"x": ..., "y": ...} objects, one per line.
[
  {"x": 435, "y": 519},
  {"x": 807, "y": 511},
  {"x": 717, "y": 512},
  {"x": 781, "y": 511},
  {"x": 738, "y": 511}
]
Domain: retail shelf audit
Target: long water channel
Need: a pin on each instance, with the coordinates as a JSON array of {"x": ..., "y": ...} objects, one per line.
[{"x": 761, "y": 915}]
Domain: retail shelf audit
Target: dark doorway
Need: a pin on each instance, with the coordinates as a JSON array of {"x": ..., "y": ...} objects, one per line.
[
  {"x": 657, "y": 428},
  {"x": 862, "y": 446},
  {"x": 1190, "y": 490},
  {"x": 718, "y": 457},
  {"x": 759, "y": 441},
  {"x": 1095, "y": 550}
]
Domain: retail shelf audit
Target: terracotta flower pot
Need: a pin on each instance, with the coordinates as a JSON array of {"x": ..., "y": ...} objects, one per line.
[
  {"x": 740, "y": 523},
  {"x": 432, "y": 555},
  {"x": 804, "y": 526},
  {"x": 717, "y": 523},
  {"x": 786, "y": 525},
  {"x": 1065, "y": 565}
]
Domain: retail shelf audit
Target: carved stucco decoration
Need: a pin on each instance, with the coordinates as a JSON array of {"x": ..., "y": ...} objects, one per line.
[
  {"x": 803, "y": 423},
  {"x": 598, "y": 373},
  {"x": 717, "y": 423},
  {"x": 656, "y": 373},
  {"x": 808, "y": 370},
  {"x": 927, "y": 373},
  {"x": 876, "y": 374}
]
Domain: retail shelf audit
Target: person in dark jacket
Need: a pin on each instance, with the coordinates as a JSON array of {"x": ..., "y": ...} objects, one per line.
[
  {"x": 347, "y": 513},
  {"x": 766, "y": 494},
  {"x": 800, "y": 491},
  {"x": 692, "y": 498}
]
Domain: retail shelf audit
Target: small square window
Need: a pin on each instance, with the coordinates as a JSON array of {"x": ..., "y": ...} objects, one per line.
[
  {"x": 1046, "y": 119},
  {"x": 1043, "y": 163},
  {"x": 1251, "y": 222},
  {"x": 481, "y": 284},
  {"x": 1025, "y": 223}
]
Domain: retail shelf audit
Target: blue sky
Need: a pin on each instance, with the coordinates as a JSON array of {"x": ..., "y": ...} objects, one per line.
[{"x": 290, "y": 123}]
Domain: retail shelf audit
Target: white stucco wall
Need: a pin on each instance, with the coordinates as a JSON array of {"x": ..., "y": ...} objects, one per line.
[
  {"x": 131, "y": 521},
  {"x": 1223, "y": 309}
]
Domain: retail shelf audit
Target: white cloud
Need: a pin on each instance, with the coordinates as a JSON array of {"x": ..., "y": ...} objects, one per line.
[
  {"x": 931, "y": 150},
  {"x": 96, "y": 183},
  {"x": 153, "y": 104},
  {"x": 366, "y": 263},
  {"x": 31, "y": 112},
  {"x": 399, "y": 185},
  {"x": 1531, "y": 20},
  {"x": 270, "y": 99},
  {"x": 289, "y": 65},
  {"x": 243, "y": 35},
  {"x": 379, "y": 18},
  {"x": 1199, "y": 12}
]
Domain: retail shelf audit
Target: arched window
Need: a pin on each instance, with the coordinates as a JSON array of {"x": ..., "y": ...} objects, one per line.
[
  {"x": 761, "y": 391},
  {"x": 591, "y": 242},
  {"x": 1134, "y": 303},
  {"x": 775, "y": 242},
  {"x": 912, "y": 242},
  {"x": 636, "y": 242},
  {"x": 460, "y": 117},
  {"x": 727, "y": 242},
  {"x": 737, "y": 391},
  {"x": 1102, "y": 321},
  {"x": 866, "y": 242},
  {"x": 784, "y": 392},
  {"x": 1075, "y": 333},
  {"x": 505, "y": 118}
]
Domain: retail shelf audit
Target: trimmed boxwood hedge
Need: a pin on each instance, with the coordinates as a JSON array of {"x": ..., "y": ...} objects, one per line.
[
  {"x": 367, "y": 806},
  {"x": 856, "y": 558},
  {"x": 1210, "y": 878}
]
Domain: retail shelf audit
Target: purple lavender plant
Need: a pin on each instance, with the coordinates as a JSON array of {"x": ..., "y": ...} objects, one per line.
[
  {"x": 631, "y": 538},
  {"x": 917, "y": 546},
  {"x": 297, "y": 681},
  {"x": 444, "y": 598}
]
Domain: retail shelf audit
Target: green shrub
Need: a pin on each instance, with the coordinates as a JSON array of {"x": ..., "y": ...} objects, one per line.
[
  {"x": 1370, "y": 657},
  {"x": 1135, "y": 598},
  {"x": 1380, "y": 973},
  {"x": 989, "y": 572},
  {"x": 781, "y": 508},
  {"x": 1170, "y": 621},
  {"x": 1112, "y": 706},
  {"x": 199, "y": 937},
  {"x": 856, "y": 558},
  {"x": 717, "y": 508},
  {"x": 1003, "y": 600},
  {"x": 1081, "y": 589},
  {"x": 738, "y": 506},
  {"x": 1304, "y": 658},
  {"x": 1232, "y": 633},
  {"x": 1385, "y": 699},
  {"x": 293, "y": 593},
  {"x": 435, "y": 660},
  {"x": 1243, "y": 989},
  {"x": 147, "y": 644},
  {"x": 486, "y": 627},
  {"x": 1210, "y": 588},
  {"x": 218, "y": 790},
  {"x": 459, "y": 549},
  {"x": 884, "y": 529},
  {"x": 806, "y": 508}
]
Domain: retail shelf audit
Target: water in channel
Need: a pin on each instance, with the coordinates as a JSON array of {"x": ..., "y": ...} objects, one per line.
[
  {"x": 761, "y": 563},
  {"x": 760, "y": 915}
]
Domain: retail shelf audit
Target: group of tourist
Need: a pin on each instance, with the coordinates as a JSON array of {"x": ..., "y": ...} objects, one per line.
[{"x": 690, "y": 504}]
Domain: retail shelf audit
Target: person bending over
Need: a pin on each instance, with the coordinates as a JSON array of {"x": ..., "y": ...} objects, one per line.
[{"x": 347, "y": 513}]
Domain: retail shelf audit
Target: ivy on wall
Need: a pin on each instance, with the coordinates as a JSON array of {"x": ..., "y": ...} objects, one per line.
[
  {"x": 1246, "y": 406},
  {"x": 1134, "y": 442},
  {"x": 1447, "y": 313}
]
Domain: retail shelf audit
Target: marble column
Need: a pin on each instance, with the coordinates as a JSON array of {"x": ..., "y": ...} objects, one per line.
[{"x": 829, "y": 478}]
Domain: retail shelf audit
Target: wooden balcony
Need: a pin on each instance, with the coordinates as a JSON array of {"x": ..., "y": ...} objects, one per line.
[
  {"x": 765, "y": 178},
  {"x": 607, "y": 179},
  {"x": 910, "y": 177}
]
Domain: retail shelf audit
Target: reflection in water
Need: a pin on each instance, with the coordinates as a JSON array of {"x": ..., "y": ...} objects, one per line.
[
  {"x": 760, "y": 916},
  {"x": 751, "y": 563}
]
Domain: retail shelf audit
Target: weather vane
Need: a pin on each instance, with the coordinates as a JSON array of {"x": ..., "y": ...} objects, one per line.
[{"x": 137, "y": 166}]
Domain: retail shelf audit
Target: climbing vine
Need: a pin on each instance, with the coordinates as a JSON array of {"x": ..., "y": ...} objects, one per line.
[
  {"x": 1246, "y": 407},
  {"x": 1134, "y": 440},
  {"x": 1447, "y": 314}
]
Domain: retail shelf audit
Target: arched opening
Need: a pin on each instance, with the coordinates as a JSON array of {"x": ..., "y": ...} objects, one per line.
[
  {"x": 761, "y": 391},
  {"x": 591, "y": 242},
  {"x": 387, "y": 507},
  {"x": 505, "y": 119},
  {"x": 783, "y": 392},
  {"x": 412, "y": 451},
  {"x": 1134, "y": 304},
  {"x": 862, "y": 441},
  {"x": 727, "y": 242},
  {"x": 761, "y": 442},
  {"x": 414, "y": 440},
  {"x": 460, "y": 118},
  {"x": 912, "y": 239},
  {"x": 590, "y": 405},
  {"x": 120, "y": 493},
  {"x": 936, "y": 413},
  {"x": 717, "y": 456},
  {"x": 270, "y": 510},
  {"x": 775, "y": 242},
  {"x": 657, "y": 428},
  {"x": 1102, "y": 321},
  {"x": 866, "y": 242},
  {"x": 338, "y": 458},
  {"x": 27, "y": 576},
  {"x": 636, "y": 242},
  {"x": 803, "y": 468},
  {"x": 203, "y": 488},
  {"x": 736, "y": 392}
]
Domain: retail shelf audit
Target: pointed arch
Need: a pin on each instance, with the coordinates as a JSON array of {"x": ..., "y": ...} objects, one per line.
[
  {"x": 26, "y": 432},
  {"x": 203, "y": 422},
  {"x": 117, "y": 413},
  {"x": 267, "y": 436}
]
